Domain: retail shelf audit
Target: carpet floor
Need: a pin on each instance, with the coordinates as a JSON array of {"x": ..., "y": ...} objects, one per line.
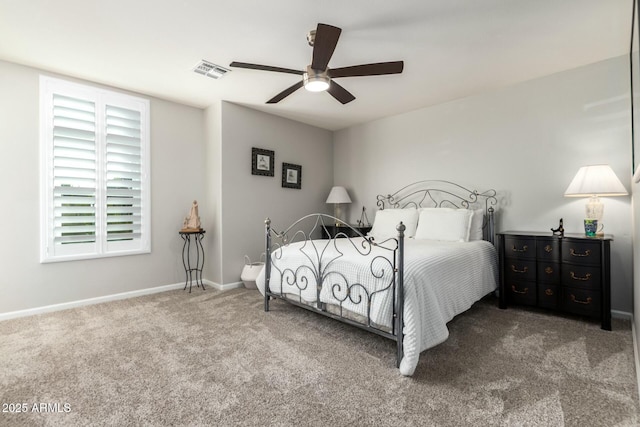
[{"x": 216, "y": 358}]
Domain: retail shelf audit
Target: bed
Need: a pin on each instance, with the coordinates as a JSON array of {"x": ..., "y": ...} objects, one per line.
[{"x": 429, "y": 256}]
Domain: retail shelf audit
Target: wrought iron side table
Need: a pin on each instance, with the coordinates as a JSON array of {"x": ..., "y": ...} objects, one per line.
[{"x": 190, "y": 271}]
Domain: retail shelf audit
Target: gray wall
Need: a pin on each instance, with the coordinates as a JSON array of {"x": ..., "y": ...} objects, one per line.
[
  {"x": 527, "y": 141},
  {"x": 188, "y": 146},
  {"x": 177, "y": 170},
  {"x": 248, "y": 199},
  {"x": 213, "y": 185}
]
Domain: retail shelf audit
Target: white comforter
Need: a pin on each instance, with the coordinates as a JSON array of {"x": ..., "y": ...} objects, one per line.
[{"x": 441, "y": 280}]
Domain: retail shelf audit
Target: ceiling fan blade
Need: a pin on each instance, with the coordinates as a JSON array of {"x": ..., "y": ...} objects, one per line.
[
  {"x": 340, "y": 93},
  {"x": 288, "y": 91},
  {"x": 324, "y": 44},
  {"x": 376, "y": 69},
  {"x": 265, "y": 68}
]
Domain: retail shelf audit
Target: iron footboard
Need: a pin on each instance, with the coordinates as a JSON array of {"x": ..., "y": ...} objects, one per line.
[{"x": 338, "y": 294}]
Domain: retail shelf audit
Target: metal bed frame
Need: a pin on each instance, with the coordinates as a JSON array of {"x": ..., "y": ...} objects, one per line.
[{"x": 319, "y": 272}]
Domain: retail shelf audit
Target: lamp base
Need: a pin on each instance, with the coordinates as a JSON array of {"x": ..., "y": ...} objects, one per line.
[
  {"x": 337, "y": 212},
  {"x": 594, "y": 209}
]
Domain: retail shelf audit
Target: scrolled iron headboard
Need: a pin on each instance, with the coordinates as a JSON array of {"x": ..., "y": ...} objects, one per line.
[{"x": 440, "y": 193}]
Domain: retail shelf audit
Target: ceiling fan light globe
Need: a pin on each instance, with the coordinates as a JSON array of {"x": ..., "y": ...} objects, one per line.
[
  {"x": 316, "y": 81},
  {"x": 316, "y": 85}
]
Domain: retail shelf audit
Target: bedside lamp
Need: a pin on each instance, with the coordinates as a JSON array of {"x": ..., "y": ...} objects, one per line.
[
  {"x": 337, "y": 196},
  {"x": 595, "y": 181}
]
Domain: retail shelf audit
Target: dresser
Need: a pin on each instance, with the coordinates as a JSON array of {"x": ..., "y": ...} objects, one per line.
[
  {"x": 569, "y": 274},
  {"x": 330, "y": 231}
]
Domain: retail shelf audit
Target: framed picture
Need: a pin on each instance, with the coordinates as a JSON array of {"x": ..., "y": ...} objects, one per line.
[
  {"x": 262, "y": 162},
  {"x": 291, "y": 176}
]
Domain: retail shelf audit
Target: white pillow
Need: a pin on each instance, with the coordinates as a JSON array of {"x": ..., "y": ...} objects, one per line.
[
  {"x": 477, "y": 221},
  {"x": 451, "y": 225},
  {"x": 386, "y": 221}
]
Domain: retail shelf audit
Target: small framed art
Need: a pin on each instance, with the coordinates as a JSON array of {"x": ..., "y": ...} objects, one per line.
[
  {"x": 262, "y": 162},
  {"x": 291, "y": 176}
]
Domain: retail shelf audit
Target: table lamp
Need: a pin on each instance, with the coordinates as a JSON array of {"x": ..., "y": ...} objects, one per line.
[
  {"x": 595, "y": 181},
  {"x": 337, "y": 196}
]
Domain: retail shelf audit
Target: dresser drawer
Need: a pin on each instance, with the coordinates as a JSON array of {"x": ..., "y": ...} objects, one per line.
[
  {"x": 548, "y": 296},
  {"x": 549, "y": 272},
  {"x": 580, "y": 276},
  {"x": 520, "y": 247},
  {"x": 581, "y": 301},
  {"x": 581, "y": 252},
  {"x": 522, "y": 293},
  {"x": 548, "y": 250},
  {"x": 520, "y": 270}
]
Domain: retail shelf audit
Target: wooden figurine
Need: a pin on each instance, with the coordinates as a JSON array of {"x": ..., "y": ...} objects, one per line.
[{"x": 192, "y": 222}]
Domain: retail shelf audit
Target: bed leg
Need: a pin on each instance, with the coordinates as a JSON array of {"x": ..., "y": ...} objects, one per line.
[
  {"x": 267, "y": 264},
  {"x": 400, "y": 293}
]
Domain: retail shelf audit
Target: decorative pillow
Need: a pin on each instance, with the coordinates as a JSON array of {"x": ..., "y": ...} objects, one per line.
[
  {"x": 445, "y": 224},
  {"x": 477, "y": 221},
  {"x": 386, "y": 221}
]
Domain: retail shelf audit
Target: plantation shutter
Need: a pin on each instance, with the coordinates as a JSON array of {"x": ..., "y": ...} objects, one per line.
[
  {"x": 95, "y": 176},
  {"x": 123, "y": 173},
  {"x": 74, "y": 170}
]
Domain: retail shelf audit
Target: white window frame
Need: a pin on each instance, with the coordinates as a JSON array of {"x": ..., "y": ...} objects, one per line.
[{"x": 50, "y": 251}]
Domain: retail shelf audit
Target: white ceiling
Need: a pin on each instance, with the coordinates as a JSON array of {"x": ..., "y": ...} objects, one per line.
[{"x": 451, "y": 48}]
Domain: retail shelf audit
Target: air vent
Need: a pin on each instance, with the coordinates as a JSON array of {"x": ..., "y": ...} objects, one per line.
[{"x": 210, "y": 69}]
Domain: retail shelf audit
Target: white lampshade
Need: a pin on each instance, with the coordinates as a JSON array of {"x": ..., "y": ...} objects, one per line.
[
  {"x": 338, "y": 195},
  {"x": 595, "y": 180}
]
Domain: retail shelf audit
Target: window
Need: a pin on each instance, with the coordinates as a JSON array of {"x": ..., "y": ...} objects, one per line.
[{"x": 95, "y": 172}]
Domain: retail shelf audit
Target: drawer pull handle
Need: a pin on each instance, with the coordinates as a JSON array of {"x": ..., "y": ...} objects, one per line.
[
  {"x": 549, "y": 292},
  {"x": 548, "y": 270},
  {"x": 584, "y": 279},
  {"x": 515, "y": 270},
  {"x": 525, "y": 248},
  {"x": 574, "y": 253},
  {"x": 587, "y": 302},
  {"x": 548, "y": 248},
  {"x": 524, "y": 291}
]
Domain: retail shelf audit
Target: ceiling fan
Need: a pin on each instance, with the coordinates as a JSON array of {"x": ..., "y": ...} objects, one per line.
[{"x": 318, "y": 76}]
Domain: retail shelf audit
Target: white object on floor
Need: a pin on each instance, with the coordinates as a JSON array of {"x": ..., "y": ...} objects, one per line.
[{"x": 250, "y": 272}]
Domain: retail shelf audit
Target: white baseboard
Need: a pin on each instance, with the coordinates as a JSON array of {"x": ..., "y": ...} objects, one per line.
[
  {"x": 617, "y": 314},
  {"x": 226, "y": 286},
  {"x": 107, "y": 298}
]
